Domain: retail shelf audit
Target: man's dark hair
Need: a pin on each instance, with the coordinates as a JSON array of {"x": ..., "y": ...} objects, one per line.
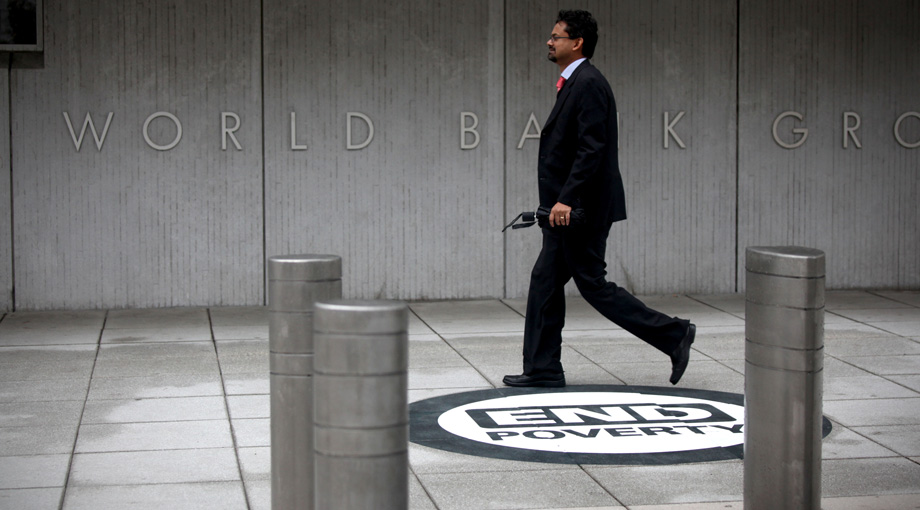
[{"x": 581, "y": 24}]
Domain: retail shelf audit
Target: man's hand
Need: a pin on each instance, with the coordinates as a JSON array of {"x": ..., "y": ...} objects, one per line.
[{"x": 559, "y": 215}]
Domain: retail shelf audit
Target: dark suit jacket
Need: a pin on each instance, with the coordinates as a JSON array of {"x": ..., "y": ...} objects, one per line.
[{"x": 578, "y": 164}]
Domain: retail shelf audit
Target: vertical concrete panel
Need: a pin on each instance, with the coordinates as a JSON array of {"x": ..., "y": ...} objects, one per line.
[
  {"x": 412, "y": 214},
  {"x": 6, "y": 210},
  {"x": 659, "y": 56},
  {"x": 128, "y": 225},
  {"x": 822, "y": 59}
]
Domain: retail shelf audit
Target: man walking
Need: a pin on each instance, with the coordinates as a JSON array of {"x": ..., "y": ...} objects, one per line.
[{"x": 578, "y": 169}]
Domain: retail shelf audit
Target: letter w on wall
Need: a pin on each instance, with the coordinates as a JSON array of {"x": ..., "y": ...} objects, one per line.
[{"x": 78, "y": 141}]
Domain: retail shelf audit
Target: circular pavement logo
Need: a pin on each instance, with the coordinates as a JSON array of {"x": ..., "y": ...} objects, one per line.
[{"x": 585, "y": 424}]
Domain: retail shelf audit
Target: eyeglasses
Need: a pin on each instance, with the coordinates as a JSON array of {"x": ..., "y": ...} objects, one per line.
[{"x": 557, "y": 37}]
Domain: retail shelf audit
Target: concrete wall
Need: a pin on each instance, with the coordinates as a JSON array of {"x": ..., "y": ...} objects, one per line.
[
  {"x": 128, "y": 225},
  {"x": 413, "y": 214},
  {"x": 416, "y": 213},
  {"x": 821, "y": 60}
]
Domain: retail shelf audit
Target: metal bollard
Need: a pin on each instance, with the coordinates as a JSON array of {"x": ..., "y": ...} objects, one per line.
[
  {"x": 295, "y": 283},
  {"x": 362, "y": 410},
  {"x": 784, "y": 353}
]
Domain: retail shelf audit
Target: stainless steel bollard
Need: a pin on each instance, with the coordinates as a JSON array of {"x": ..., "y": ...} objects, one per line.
[
  {"x": 362, "y": 410},
  {"x": 783, "y": 387},
  {"x": 295, "y": 283}
]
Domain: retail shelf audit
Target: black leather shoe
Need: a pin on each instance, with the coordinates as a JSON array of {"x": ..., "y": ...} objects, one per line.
[
  {"x": 539, "y": 381},
  {"x": 681, "y": 356}
]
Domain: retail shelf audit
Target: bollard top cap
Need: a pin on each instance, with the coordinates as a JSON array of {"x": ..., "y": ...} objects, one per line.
[
  {"x": 790, "y": 261},
  {"x": 306, "y": 267},
  {"x": 361, "y": 317}
]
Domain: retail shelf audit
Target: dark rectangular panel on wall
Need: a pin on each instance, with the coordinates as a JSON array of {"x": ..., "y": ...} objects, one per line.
[
  {"x": 826, "y": 66},
  {"x": 141, "y": 217},
  {"x": 413, "y": 213},
  {"x": 662, "y": 58}
]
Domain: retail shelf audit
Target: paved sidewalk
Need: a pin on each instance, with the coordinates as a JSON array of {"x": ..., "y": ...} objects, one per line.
[{"x": 169, "y": 408}]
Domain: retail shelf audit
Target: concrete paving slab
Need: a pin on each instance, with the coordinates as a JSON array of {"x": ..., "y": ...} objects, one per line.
[
  {"x": 721, "y": 505},
  {"x": 622, "y": 351},
  {"x": 19, "y": 499},
  {"x": 33, "y": 471},
  {"x": 152, "y": 318},
  {"x": 843, "y": 443},
  {"x": 845, "y": 329},
  {"x": 37, "y": 440},
  {"x": 246, "y": 384},
  {"x": 729, "y": 303},
  {"x": 887, "y": 365},
  {"x": 243, "y": 356},
  {"x": 892, "y": 411},
  {"x": 701, "y": 374},
  {"x": 150, "y": 467},
  {"x": 426, "y": 354},
  {"x": 425, "y": 460},
  {"x": 453, "y": 317},
  {"x": 905, "y": 329},
  {"x": 157, "y": 386},
  {"x": 249, "y": 406},
  {"x": 186, "y": 350},
  {"x": 909, "y": 381},
  {"x": 41, "y": 337},
  {"x": 259, "y": 494},
  {"x": 871, "y": 386},
  {"x": 866, "y": 477},
  {"x": 859, "y": 300},
  {"x": 40, "y": 414},
  {"x": 575, "y": 374},
  {"x": 155, "y": 410},
  {"x": 422, "y": 394},
  {"x": 165, "y": 333},
  {"x": 125, "y": 437},
  {"x": 902, "y": 439},
  {"x": 876, "y": 315},
  {"x": 515, "y": 490},
  {"x": 156, "y": 366},
  {"x": 504, "y": 354},
  {"x": 426, "y": 337},
  {"x": 44, "y": 391},
  {"x": 53, "y": 319},
  {"x": 889, "y": 502},
  {"x": 198, "y": 496},
  {"x": 44, "y": 355},
  {"x": 418, "y": 498},
  {"x": 446, "y": 377},
  {"x": 252, "y": 432},
  {"x": 256, "y": 463},
  {"x": 635, "y": 485},
  {"x": 474, "y": 340},
  {"x": 720, "y": 344},
  {"x": 843, "y": 348},
  {"x": 417, "y": 326},
  {"x": 909, "y": 297},
  {"x": 228, "y": 316},
  {"x": 223, "y": 333}
]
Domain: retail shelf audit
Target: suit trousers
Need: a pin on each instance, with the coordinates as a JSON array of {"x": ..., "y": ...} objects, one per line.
[{"x": 578, "y": 253}]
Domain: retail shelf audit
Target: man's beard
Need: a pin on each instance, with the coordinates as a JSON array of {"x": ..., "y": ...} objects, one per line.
[{"x": 551, "y": 57}]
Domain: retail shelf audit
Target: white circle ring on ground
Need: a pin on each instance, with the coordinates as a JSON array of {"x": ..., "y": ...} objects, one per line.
[{"x": 586, "y": 424}]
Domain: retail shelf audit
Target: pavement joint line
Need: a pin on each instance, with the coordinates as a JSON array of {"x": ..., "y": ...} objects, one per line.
[
  {"x": 73, "y": 451},
  {"x": 444, "y": 340},
  {"x": 223, "y": 386}
]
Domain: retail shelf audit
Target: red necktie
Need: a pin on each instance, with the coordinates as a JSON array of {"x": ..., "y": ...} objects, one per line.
[{"x": 560, "y": 83}]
